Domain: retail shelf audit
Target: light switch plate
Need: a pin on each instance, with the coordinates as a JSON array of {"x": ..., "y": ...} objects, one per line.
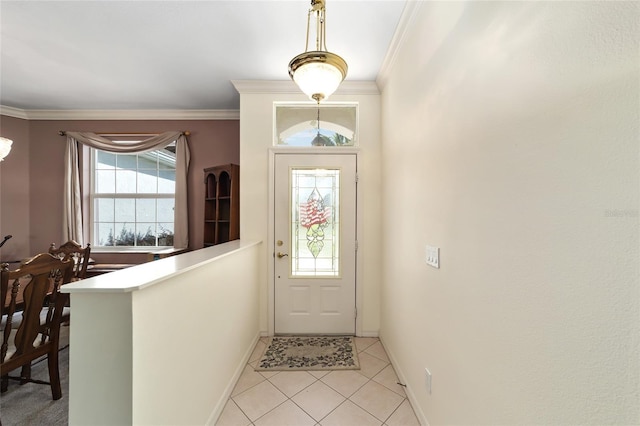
[{"x": 433, "y": 256}]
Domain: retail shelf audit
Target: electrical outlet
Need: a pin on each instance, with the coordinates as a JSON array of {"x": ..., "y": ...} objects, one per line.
[
  {"x": 433, "y": 256},
  {"x": 427, "y": 378}
]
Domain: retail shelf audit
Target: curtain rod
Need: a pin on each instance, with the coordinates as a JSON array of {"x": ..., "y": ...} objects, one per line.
[{"x": 64, "y": 133}]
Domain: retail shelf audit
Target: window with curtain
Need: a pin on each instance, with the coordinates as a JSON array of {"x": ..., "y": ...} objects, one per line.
[{"x": 133, "y": 197}]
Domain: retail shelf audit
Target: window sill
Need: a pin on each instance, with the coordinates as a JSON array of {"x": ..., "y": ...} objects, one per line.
[
  {"x": 124, "y": 250},
  {"x": 153, "y": 253}
]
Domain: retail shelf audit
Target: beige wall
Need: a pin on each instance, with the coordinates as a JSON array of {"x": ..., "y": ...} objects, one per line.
[
  {"x": 32, "y": 176},
  {"x": 510, "y": 141},
  {"x": 256, "y": 137}
]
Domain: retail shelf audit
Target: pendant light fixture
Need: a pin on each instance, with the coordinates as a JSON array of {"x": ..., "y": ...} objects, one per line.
[
  {"x": 5, "y": 147},
  {"x": 318, "y": 72}
]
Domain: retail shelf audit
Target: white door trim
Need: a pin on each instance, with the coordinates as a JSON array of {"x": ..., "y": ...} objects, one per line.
[{"x": 273, "y": 151}]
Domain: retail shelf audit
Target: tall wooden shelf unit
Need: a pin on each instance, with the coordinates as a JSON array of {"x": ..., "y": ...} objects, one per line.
[{"x": 221, "y": 204}]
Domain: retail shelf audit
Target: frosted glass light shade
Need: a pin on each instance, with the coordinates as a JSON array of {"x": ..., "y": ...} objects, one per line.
[
  {"x": 5, "y": 147},
  {"x": 318, "y": 73}
]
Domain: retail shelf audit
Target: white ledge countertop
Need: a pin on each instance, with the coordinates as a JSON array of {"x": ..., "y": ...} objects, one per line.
[{"x": 146, "y": 274}]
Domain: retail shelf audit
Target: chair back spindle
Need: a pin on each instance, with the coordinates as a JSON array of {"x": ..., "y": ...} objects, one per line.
[{"x": 80, "y": 256}]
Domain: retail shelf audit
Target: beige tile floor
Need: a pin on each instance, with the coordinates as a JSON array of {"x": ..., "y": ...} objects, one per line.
[{"x": 369, "y": 396}]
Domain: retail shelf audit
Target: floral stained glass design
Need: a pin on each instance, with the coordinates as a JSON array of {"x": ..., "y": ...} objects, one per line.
[{"x": 315, "y": 222}]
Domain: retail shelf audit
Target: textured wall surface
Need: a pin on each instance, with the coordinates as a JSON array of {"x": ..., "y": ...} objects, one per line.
[{"x": 510, "y": 141}]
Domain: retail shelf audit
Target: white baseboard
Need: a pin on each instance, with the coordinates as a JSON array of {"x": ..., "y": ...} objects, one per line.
[
  {"x": 217, "y": 411},
  {"x": 410, "y": 395}
]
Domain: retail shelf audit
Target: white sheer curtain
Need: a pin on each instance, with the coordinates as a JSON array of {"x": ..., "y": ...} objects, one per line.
[{"x": 72, "y": 212}]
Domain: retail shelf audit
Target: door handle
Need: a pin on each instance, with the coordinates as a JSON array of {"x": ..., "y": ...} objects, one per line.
[{"x": 281, "y": 255}]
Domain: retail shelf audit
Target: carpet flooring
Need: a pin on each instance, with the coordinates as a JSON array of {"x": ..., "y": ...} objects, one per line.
[
  {"x": 31, "y": 403},
  {"x": 293, "y": 353}
]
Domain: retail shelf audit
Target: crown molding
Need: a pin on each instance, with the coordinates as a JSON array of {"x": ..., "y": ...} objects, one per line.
[
  {"x": 288, "y": 86},
  {"x": 195, "y": 114},
  {"x": 409, "y": 12},
  {"x": 13, "y": 112},
  {"x": 242, "y": 86}
]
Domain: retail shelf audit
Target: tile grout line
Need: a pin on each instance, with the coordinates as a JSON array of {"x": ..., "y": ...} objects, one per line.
[
  {"x": 396, "y": 409},
  {"x": 241, "y": 410},
  {"x": 346, "y": 398},
  {"x": 290, "y": 398}
]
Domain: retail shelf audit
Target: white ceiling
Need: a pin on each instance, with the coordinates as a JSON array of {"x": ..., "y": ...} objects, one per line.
[{"x": 172, "y": 55}]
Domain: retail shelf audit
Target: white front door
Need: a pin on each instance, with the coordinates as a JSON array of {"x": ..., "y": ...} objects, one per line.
[{"x": 315, "y": 243}]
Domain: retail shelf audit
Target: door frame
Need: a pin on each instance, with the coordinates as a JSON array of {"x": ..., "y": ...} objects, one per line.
[{"x": 273, "y": 151}]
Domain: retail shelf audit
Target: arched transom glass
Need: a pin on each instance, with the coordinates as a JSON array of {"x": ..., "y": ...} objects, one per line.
[{"x": 309, "y": 125}]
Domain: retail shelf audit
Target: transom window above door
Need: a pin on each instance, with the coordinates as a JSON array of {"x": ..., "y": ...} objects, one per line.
[{"x": 311, "y": 125}]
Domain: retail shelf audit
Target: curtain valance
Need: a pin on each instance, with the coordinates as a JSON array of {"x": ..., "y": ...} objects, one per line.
[{"x": 104, "y": 144}]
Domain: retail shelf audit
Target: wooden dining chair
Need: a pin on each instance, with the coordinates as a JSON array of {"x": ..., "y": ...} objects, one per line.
[
  {"x": 23, "y": 343},
  {"x": 80, "y": 256}
]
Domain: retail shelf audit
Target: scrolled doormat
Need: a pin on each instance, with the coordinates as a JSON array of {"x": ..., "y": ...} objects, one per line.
[{"x": 309, "y": 353}]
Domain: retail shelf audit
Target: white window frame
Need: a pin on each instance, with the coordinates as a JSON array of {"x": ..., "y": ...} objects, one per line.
[{"x": 92, "y": 198}]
